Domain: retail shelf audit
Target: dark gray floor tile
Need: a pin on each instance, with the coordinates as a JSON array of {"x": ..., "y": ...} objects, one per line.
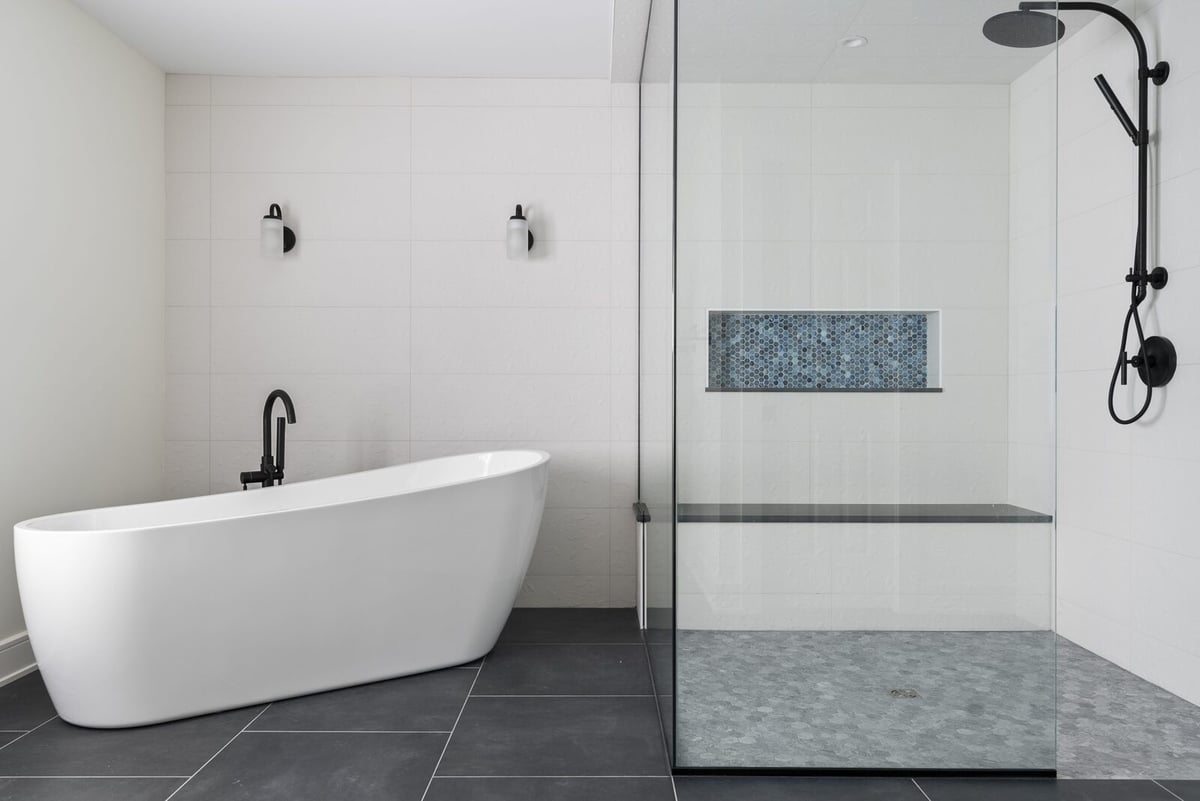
[
  {"x": 571, "y": 625},
  {"x": 1187, "y": 790},
  {"x": 426, "y": 702},
  {"x": 318, "y": 767},
  {"x": 25, "y": 703},
  {"x": 524, "y": 789},
  {"x": 769, "y": 788},
  {"x": 1042, "y": 790},
  {"x": 565, "y": 670},
  {"x": 556, "y": 737},
  {"x": 87, "y": 789},
  {"x": 169, "y": 749}
]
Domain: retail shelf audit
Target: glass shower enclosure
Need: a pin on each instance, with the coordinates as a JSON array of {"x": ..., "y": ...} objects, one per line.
[{"x": 847, "y": 386}]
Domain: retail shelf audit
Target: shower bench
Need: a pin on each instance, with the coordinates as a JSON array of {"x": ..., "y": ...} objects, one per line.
[{"x": 927, "y": 567}]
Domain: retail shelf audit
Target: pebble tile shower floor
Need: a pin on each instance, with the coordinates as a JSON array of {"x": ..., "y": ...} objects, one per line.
[{"x": 562, "y": 709}]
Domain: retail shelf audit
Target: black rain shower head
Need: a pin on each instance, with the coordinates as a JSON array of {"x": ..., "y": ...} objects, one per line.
[{"x": 1024, "y": 29}]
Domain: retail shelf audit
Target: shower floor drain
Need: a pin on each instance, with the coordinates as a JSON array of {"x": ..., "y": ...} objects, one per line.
[{"x": 904, "y": 693}]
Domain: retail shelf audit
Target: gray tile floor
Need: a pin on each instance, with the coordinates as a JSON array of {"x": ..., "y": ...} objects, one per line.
[
  {"x": 985, "y": 700},
  {"x": 561, "y": 710}
]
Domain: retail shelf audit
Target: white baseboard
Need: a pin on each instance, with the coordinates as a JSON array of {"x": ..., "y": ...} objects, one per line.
[{"x": 16, "y": 658}]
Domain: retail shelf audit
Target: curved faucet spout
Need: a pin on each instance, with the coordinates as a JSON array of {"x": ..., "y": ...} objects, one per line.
[{"x": 271, "y": 469}]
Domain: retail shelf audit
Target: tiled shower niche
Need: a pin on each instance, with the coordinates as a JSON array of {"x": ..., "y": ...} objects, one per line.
[{"x": 823, "y": 351}]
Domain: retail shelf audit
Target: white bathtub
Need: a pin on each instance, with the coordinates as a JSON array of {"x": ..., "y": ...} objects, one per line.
[{"x": 142, "y": 614}]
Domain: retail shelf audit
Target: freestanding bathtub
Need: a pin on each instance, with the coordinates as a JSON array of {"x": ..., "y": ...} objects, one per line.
[{"x": 142, "y": 614}]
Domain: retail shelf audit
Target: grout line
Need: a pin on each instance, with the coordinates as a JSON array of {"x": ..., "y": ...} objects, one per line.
[
  {"x": 346, "y": 731},
  {"x": 562, "y": 776},
  {"x": 565, "y": 695},
  {"x": 94, "y": 777},
  {"x": 446, "y": 747},
  {"x": 26, "y": 734},
  {"x": 218, "y": 753},
  {"x": 1166, "y": 789},
  {"x": 921, "y": 789}
]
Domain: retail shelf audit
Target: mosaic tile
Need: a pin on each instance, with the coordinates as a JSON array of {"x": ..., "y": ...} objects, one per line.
[{"x": 867, "y": 351}]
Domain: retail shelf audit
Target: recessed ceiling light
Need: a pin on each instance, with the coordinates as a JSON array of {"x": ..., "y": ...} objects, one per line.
[{"x": 854, "y": 41}]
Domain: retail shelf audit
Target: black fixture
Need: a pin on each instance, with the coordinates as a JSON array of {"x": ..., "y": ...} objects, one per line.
[
  {"x": 289, "y": 236},
  {"x": 1024, "y": 28},
  {"x": 1029, "y": 27},
  {"x": 270, "y": 471}
]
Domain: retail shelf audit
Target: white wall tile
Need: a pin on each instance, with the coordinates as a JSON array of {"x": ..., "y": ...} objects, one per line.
[
  {"x": 187, "y": 343},
  {"x": 477, "y": 207},
  {"x": 188, "y": 276},
  {"x": 319, "y": 273},
  {"x": 316, "y": 206},
  {"x": 288, "y": 139},
  {"x": 511, "y": 341},
  {"x": 188, "y": 199},
  {"x": 382, "y": 257},
  {"x": 516, "y": 92},
  {"x": 448, "y": 407},
  {"x": 310, "y": 340},
  {"x": 328, "y": 407},
  {"x": 187, "y": 138},
  {"x": 230, "y": 90},
  {"x": 557, "y": 274},
  {"x": 488, "y": 140}
]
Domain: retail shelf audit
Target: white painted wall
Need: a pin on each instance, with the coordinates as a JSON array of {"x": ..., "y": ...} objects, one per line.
[
  {"x": 1129, "y": 544},
  {"x": 398, "y": 325},
  {"x": 843, "y": 196},
  {"x": 81, "y": 240}
]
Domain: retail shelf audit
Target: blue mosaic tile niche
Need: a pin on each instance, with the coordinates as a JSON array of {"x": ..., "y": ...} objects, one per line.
[{"x": 803, "y": 351}]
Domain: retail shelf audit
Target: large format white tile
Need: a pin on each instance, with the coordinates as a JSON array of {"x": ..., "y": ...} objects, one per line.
[
  {"x": 511, "y": 407},
  {"x": 917, "y": 140},
  {"x": 323, "y": 273},
  {"x": 744, "y": 140},
  {"x": 460, "y": 207},
  {"x": 511, "y": 341},
  {"x": 530, "y": 92},
  {"x": 752, "y": 206},
  {"x": 268, "y": 139},
  {"x": 187, "y": 138},
  {"x": 187, "y": 344},
  {"x": 310, "y": 340},
  {"x": 494, "y": 140},
  {"x": 306, "y": 459},
  {"x": 328, "y": 407},
  {"x": 572, "y": 542},
  {"x": 316, "y": 206},
  {"x": 187, "y": 206},
  {"x": 557, "y": 274},
  {"x": 187, "y": 272},
  {"x": 228, "y": 90}
]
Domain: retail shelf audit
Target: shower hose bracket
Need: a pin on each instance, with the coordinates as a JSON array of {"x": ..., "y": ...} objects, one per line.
[{"x": 1157, "y": 279}]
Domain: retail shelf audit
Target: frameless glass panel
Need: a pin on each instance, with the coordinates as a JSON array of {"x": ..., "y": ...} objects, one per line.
[
  {"x": 864, "y": 325},
  {"x": 655, "y": 414}
]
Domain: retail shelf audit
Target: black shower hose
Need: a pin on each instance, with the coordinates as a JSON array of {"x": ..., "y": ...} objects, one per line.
[{"x": 1137, "y": 295}]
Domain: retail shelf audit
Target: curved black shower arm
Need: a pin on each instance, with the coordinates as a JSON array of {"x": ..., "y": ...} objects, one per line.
[{"x": 1100, "y": 8}]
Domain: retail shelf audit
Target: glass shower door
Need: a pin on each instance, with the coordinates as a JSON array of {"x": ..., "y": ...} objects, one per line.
[{"x": 863, "y": 394}]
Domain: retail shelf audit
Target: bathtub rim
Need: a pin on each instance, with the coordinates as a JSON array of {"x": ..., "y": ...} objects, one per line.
[{"x": 36, "y": 525}]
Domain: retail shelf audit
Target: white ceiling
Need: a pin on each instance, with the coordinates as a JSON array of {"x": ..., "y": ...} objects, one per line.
[
  {"x": 911, "y": 41},
  {"x": 475, "y": 38}
]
